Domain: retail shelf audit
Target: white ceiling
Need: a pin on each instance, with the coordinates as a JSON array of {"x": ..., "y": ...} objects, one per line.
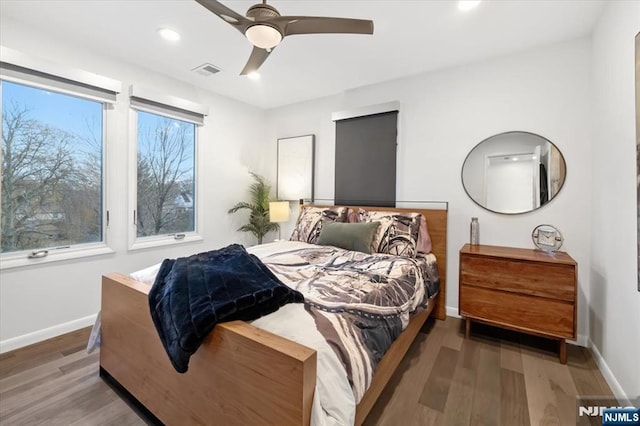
[{"x": 410, "y": 37}]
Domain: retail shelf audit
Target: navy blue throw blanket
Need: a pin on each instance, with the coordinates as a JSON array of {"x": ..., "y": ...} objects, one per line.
[{"x": 192, "y": 294}]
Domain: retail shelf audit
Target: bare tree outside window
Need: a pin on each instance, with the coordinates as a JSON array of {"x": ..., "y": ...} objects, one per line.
[
  {"x": 166, "y": 172},
  {"x": 51, "y": 169}
]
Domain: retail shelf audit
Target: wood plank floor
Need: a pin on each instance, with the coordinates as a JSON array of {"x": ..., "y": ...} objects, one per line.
[{"x": 495, "y": 377}]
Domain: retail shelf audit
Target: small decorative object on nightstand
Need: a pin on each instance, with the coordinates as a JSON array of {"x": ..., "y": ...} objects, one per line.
[
  {"x": 474, "y": 232},
  {"x": 547, "y": 238},
  {"x": 521, "y": 289}
]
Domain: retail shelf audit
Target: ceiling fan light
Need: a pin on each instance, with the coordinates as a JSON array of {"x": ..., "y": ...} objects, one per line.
[{"x": 263, "y": 36}]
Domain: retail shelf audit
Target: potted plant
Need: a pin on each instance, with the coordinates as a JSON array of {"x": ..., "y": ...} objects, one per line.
[{"x": 258, "y": 207}]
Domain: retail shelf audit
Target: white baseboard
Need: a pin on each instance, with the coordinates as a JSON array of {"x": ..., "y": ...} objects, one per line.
[
  {"x": 452, "y": 312},
  {"x": 47, "y": 333},
  {"x": 617, "y": 390},
  {"x": 582, "y": 340}
]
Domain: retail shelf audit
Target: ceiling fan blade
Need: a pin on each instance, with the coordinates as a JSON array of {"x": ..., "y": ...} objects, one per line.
[
  {"x": 230, "y": 16},
  {"x": 291, "y": 25},
  {"x": 257, "y": 58}
]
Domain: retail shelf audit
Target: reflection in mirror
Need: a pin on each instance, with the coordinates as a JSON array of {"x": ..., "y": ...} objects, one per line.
[{"x": 513, "y": 172}]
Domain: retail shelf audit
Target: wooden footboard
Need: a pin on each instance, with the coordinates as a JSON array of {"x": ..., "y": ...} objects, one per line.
[{"x": 241, "y": 375}]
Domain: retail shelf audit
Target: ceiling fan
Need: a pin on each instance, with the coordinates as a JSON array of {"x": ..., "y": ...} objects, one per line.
[{"x": 265, "y": 28}]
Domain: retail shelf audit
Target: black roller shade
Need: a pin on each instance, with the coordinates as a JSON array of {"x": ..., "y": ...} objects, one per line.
[{"x": 365, "y": 164}]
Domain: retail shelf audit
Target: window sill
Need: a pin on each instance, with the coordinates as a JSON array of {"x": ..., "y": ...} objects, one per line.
[
  {"x": 11, "y": 261},
  {"x": 151, "y": 242}
]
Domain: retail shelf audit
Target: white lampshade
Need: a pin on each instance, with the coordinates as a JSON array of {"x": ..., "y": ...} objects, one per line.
[
  {"x": 263, "y": 36},
  {"x": 279, "y": 211}
]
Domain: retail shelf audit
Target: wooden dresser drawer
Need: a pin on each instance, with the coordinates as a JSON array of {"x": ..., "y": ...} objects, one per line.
[
  {"x": 519, "y": 276},
  {"x": 522, "y": 312}
]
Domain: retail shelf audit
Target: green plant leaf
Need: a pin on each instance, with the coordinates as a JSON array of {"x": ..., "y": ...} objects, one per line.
[
  {"x": 259, "y": 224},
  {"x": 240, "y": 206}
]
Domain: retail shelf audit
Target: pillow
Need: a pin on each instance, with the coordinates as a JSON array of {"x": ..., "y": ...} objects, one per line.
[
  {"x": 398, "y": 232},
  {"x": 311, "y": 220},
  {"x": 147, "y": 275},
  {"x": 424, "y": 239},
  {"x": 349, "y": 236}
]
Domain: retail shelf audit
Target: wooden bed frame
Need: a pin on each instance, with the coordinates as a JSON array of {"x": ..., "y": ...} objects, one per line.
[{"x": 241, "y": 375}]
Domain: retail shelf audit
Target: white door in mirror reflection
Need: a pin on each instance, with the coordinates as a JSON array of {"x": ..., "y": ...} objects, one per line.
[
  {"x": 513, "y": 172},
  {"x": 513, "y": 182}
]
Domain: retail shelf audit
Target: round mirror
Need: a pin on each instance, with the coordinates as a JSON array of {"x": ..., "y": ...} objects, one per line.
[{"x": 513, "y": 172}]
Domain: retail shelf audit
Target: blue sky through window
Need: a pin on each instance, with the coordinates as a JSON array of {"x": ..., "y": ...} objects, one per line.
[{"x": 70, "y": 113}]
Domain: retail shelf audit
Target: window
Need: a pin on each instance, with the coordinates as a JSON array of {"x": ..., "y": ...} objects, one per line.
[
  {"x": 166, "y": 176},
  {"x": 51, "y": 169},
  {"x": 164, "y": 193},
  {"x": 52, "y": 199}
]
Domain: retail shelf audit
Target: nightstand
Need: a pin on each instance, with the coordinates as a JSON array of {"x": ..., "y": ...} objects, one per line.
[{"x": 520, "y": 289}]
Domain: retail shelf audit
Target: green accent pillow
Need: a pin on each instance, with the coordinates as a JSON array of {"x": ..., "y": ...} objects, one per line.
[{"x": 349, "y": 236}]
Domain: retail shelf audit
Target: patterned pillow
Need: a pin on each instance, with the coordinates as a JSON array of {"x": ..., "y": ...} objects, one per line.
[
  {"x": 397, "y": 234},
  {"x": 424, "y": 239},
  {"x": 310, "y": 222}
]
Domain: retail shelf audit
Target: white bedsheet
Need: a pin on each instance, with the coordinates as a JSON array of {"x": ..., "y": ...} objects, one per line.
[{"x": 333, "y": 400}]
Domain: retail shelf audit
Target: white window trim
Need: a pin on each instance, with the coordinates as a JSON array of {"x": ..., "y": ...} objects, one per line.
[
  {"x": 164, "y": 240},
  {"x": 140, "y": 243},
  {"x": 58, "y": 71},
  {"x": 149, "y": 100},
  {"x": 75, "y": 251},
  {"x": 20, "y": 259},
  {"x": 366, "y": 110}
]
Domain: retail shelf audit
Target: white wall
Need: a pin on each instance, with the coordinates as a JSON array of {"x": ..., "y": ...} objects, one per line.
[
  {"x": 444, "y": 114},
  {"x": 614, "y": 317},
  {"x": 40, "y": 301}
]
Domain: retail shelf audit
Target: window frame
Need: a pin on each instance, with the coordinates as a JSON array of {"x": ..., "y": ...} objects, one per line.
[
  {"x": 159, "y": 108},
  {"x": 40, "y": 74}
]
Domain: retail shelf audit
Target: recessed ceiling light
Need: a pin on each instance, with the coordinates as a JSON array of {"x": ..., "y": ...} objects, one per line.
[
  {"x": 253, "y": 75},
  {"x": 465, "y": 5},
  {"x": 168, "y": 34}
]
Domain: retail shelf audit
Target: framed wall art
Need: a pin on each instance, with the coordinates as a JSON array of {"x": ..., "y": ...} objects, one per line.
[{"x": 295, "y": 168}]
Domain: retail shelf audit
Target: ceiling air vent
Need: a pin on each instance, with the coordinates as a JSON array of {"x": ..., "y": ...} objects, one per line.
[{"x": 206, "y": 69}]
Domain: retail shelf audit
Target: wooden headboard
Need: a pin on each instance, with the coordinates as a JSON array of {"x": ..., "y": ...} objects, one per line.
[{"x": 437, "y": 224}]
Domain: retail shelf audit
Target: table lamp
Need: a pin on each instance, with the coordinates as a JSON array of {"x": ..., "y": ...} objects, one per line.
[{"x": 279, "y": 213}]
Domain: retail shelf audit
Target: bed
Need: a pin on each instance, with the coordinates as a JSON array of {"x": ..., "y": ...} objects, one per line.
[{"x": 242, "y": 374}]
